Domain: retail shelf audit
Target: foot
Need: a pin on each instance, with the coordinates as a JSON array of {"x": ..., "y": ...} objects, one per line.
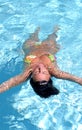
[{"x": 56, "y": 28}]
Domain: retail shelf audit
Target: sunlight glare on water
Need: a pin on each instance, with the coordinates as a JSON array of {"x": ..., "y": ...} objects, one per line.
[{"x": 20, "y": 107}]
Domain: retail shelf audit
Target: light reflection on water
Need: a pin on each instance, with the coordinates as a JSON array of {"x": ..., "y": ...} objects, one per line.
[{"x": 21, "y": 108}]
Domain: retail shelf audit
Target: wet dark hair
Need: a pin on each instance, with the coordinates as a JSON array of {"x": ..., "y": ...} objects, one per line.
[{"x": 44, "y": 89}]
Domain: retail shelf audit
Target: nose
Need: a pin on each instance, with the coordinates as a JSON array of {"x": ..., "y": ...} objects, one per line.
[{"x": 40, "y": 68}]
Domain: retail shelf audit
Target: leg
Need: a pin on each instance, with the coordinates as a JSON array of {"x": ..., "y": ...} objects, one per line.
[
  {"x": 34, "y": 36},
  {"x": 53, "y": 36},
  {"x": 32, "y": 40},
  {"x": 51, "y": 43}
]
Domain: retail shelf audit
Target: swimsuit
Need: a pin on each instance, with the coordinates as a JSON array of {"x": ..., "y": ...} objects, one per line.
[
  {"x": 51, "y": 57},
  {"x": 28, "y": 59}
]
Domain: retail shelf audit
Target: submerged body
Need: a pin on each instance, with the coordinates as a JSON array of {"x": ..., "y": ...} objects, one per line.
[{"x": 40, "y": 65}]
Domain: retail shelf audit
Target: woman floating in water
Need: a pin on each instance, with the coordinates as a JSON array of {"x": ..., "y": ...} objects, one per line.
[{"x": 40, "y": 66}]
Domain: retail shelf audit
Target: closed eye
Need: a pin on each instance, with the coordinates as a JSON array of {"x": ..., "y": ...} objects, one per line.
[
  {"x": 36, "y": 72},
  {"x": 43, "y": 72}
]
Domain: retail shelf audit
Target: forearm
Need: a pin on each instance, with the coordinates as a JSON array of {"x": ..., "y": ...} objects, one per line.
[
  {"x": 67, "y": 76},
  {"x": 8, "y": 84},
  {"x": 14, "y": 81}
]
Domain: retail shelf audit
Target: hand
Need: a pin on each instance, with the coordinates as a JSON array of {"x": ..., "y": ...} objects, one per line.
[
  {"x": 51, "y": 69},
  {"x": 79, "y": 80},
  {"x": 31, "y": 67}
]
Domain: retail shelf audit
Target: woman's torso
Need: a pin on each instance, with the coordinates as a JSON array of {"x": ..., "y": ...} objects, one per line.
[
  {"x": 42, "y": 53},
  {"x": 44, "y": 58}
]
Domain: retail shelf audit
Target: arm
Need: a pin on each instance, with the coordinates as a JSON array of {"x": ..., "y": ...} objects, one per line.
[
  {"x": 15, "y": 80},
  {"x": 64, "y": 75}
]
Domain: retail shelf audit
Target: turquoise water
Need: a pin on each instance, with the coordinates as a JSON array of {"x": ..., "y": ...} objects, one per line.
[{"x": 20, "y": 107}]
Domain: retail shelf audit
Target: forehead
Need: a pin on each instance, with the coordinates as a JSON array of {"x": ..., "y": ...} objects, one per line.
[{"x": 41, "y": 77}]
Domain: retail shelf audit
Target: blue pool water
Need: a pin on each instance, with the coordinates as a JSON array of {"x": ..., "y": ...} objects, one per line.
[{"x": 20, "y": 107}]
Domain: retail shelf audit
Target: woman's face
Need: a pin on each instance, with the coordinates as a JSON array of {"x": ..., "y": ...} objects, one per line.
[{"x": 40, "y": 73}]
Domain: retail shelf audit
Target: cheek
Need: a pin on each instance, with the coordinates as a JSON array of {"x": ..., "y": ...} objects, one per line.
[{"x": 35, "y": 77}]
